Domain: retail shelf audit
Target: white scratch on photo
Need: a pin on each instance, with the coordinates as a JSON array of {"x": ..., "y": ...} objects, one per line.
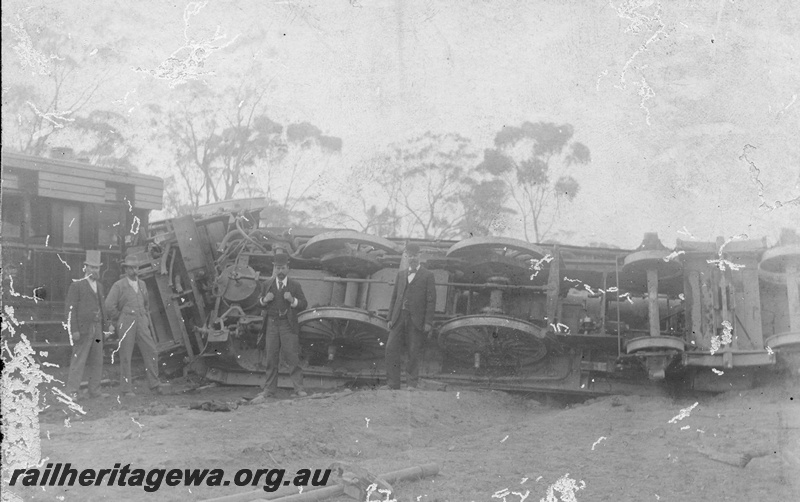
[
  {"x": 598, "y": 441},
  {"x": 685, "y": 412}
]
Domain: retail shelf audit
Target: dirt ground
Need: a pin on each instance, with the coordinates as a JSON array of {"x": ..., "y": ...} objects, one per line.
[{"x": 490, "y": 446}]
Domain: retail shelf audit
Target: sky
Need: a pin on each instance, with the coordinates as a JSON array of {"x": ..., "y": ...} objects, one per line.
[{"x": 689, "y": 109}]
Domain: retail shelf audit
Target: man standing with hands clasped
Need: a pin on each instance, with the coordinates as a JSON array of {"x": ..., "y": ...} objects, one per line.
[
  {"x": 282, "y": 299},
  {"x": 410, "y": 318},
  {"x": 128, "y": 303},
  {"x": 86, "y": 319}
]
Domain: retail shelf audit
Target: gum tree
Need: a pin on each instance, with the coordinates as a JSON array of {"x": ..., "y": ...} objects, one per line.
[
  {"x": 54, "y": 87},
  {"x": 532, "y": 161}
]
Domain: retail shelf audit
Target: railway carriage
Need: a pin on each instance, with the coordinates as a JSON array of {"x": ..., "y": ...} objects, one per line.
[{"x": 53, "y": 210}]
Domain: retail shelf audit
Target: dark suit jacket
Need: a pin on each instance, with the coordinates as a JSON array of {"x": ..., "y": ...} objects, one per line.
[
  {"x": 294, "y": 288},
  {"x": 421, "y": 296},
  {"x": 83, "y": 307}
]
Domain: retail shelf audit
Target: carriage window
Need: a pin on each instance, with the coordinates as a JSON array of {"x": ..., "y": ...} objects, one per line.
[
  {"x": 40, "y": 218},
  {"x": 109, "y": 222},
  {"x": 13, "y": 214},
  {"x": 72, "y": 224}
]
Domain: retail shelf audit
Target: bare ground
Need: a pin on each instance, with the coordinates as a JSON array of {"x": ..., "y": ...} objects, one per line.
[{"x": 490, "y": 446}]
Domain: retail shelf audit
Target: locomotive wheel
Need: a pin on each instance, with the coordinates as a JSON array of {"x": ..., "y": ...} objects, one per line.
[
  {"x": 513, "y": 249},
  {"x": 785, "y": 342},
  {"x": 654, "y": 344},
  {"x": 633, "y": 276},
  {"x": 498, "y": 340},
  {"x": 347, "y": 251},
  {"x": 497, "y": 255},
  {"x": 353, "y": 334}
]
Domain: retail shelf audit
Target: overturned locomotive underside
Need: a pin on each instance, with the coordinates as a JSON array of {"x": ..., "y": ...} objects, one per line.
[{"x": 509, "y": 315}]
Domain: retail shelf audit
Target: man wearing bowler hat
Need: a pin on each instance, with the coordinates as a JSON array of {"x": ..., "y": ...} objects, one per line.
[
  {"x": 85, "y": 323},
  {"x": 282, "y": 299},
  {"x": 410, "y": 318},
  {"x": 127, "y": 302}
]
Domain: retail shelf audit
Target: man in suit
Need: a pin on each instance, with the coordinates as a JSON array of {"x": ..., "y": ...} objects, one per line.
[
  {"x": 86, "y": 320},
  {"x": 282, "y": 298},
  {"x": 410, "y": 318},
  {"x": 128, "y": 303}
]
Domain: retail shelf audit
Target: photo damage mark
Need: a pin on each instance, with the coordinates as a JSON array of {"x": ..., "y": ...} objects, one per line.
[
  {"x": 755, "y": 173},
  {"x": 633, "y": 10},
  {"x": 566, "y": 487},
  {"x": 28, "y": 55},
  {"x": 56, "y": 118},
  {"x": 685, "y": 412},
  {"x": 21, "y": 379},
  {"x": 598, "y": 441},
  {"x": 187, "y": 62}
]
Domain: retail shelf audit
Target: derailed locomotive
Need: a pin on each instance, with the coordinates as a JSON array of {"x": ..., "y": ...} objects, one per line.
[{"x": 509, "y": 315}]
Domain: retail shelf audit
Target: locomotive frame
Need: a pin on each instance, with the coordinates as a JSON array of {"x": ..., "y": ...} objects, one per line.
[{"x": 509, "y": 315}]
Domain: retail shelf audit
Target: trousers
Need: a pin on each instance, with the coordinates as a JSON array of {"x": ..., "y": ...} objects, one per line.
[
  {"x": 281, "y": 343},
  {"x": 135, "y": 330},
  {"x": 87, "y": 354},
  {"x": 403, "y": 334}
]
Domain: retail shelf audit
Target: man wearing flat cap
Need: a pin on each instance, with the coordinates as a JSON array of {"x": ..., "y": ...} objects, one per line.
[
  {"x": 410, "y": 318},
  {"x": 85, "y": 322},
  {"x": 128, "y": 303},
  {"x": 282, "y": 299}
]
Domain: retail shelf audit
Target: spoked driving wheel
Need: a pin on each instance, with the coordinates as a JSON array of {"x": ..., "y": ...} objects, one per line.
[
  {"x": 492, "y": 341},
  {"x": 347, "y": 251},
  {"x": 488, "y": 256},
  {"x": 341, "y": 333}
]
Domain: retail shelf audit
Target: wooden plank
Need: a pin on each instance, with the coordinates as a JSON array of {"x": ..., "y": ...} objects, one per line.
[
  {"x": 72, "y": 180},
  {"x": 10, "y": 180},
  {"x": 148, "y": 205},
  {"x": 69, "y": 187},
  {"x": 190, "y": 244},
  {"x": 93, "y": 192},
  {"x": 140, "y": 190},
  {"x": 174, "y": 319},
  {"x": 74, "y": 196},
  {"x": 709, "y": 320},
  {"x": 141, "y": 204},
  {"x": 694, "y": 315},
  {"x": 43, "y": 164},
  {"x": 748, "y": 308},
  {"x": 793, "y": 295},
  {"x": 149, "y": 198},
  {"x": 554, "y": 286}
]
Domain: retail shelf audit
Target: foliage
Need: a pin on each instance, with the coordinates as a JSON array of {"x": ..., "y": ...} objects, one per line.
[
  {"x": 430, "y": 190},
  {"x": 226, "y": 146},
  {"x": 55, "y": 87},
  {"x": 523, "y": 160}
]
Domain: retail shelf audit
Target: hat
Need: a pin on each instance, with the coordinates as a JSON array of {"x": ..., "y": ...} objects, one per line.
[
  {"x": 281, "y": 259},
  {"x": 130, "y": 261},
  {"x": 412, "y": 249},
  {"x": 92, "y": 258}
]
